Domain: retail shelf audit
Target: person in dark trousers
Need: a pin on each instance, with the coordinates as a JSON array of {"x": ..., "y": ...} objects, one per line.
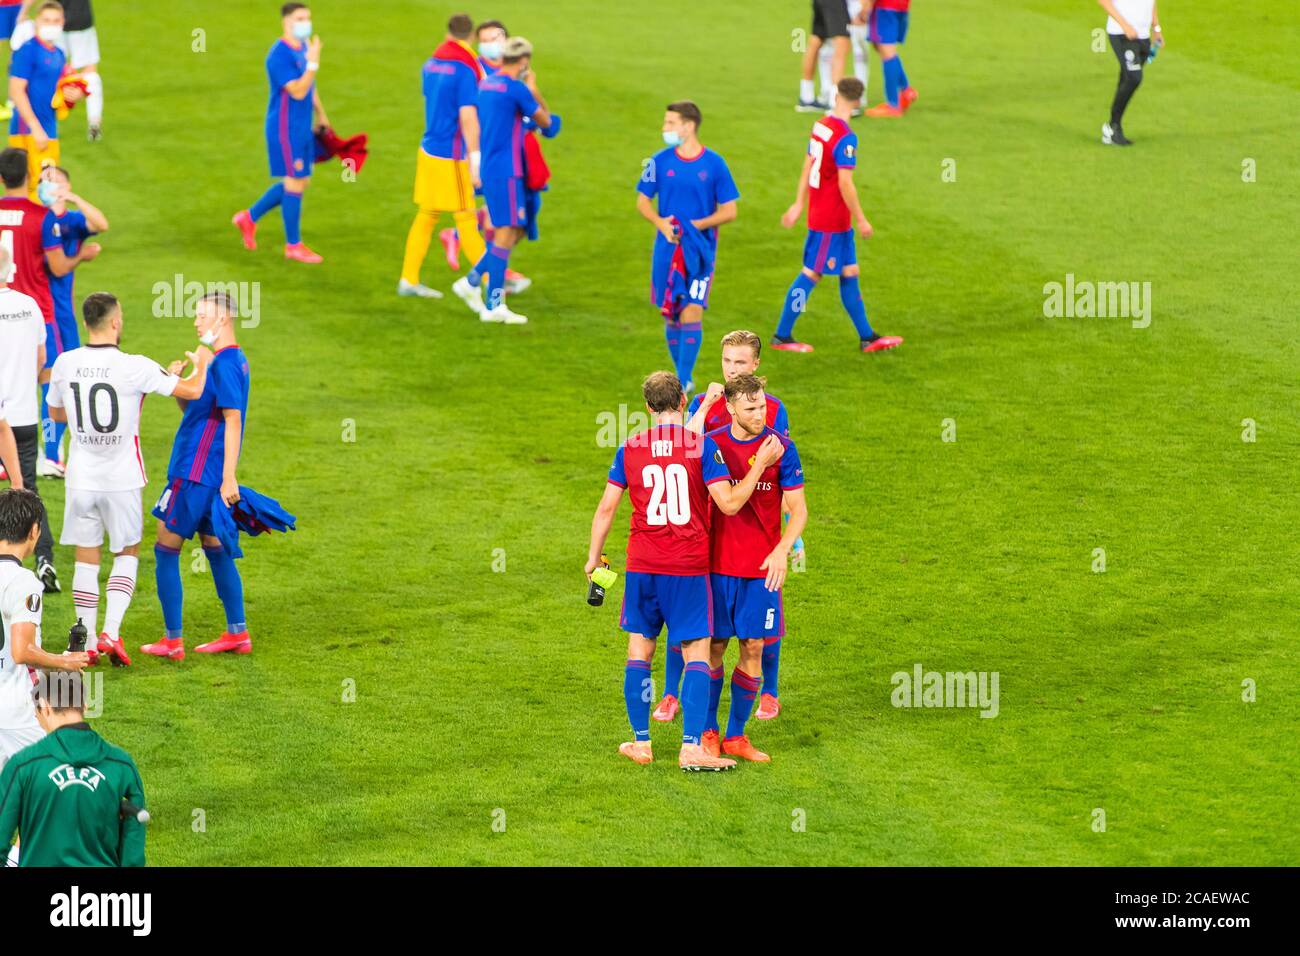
[
  {"x": 65, "y": 794},
  {"x": 1133, "y": 26}
]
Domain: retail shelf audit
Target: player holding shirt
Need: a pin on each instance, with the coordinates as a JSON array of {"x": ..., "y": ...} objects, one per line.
[
  {"x": 201, "y": 478},
  {"x": 447, "y": 162},
  {"x": 63, "y": 234},
  {"x": 696, "y": 195},
  {"x": 748, "y": 562},
  {"x": 671, "y": 474},
  {"x": 291, "y": 67},
  {"x": 504, "y": 100},
  {"x": 887, "y": 29},
  {"x": 34, "y": 72},
  {"x": 833, "y": 207},
  {"x": 100, "y": 391}
]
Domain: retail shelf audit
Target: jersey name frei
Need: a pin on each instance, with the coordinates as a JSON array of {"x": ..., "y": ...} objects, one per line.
[
  {"x": 101, "y": 390},
  {"x": 666, "y": 470},
  {"x": 20, "y": 603},
  {"x": 833, "y": 147},
  {"x": 503, "y": 102},
  {"x": 741, "y": 542},
  {"x": 718, "y": 417},
  {"x": 198, "y": 453}
]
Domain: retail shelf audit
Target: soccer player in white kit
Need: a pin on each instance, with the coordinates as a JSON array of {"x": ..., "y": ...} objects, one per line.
[
  {"x": 99, "y": 390},
  {"x": 21, "y": 597}
]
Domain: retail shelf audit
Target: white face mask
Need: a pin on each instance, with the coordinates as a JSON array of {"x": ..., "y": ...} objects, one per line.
[
  {"x": 50, "y": 33},
  {"x": 209, "y": 337},
  {"x": 302, "y": 29}
]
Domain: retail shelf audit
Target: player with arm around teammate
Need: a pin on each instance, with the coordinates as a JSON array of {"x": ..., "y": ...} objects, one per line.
[{"x": 671, "y": 474}]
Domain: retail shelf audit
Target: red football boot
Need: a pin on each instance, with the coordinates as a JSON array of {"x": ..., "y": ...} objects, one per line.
[
  {"x": 884, "y": 111},
  {"x": 768, "y": 707},
  {"x": 741, "y": 747},
  {"x": 781, "y": 346},
  {"x": 235, "y": 643},
  {"x": 451, "y": 247},
  {"x": 171, "y": 648},
  {"x": 114, "y": 650},
  {"x": 247, "y": 228},
  {"x": 298, "y": 252},
  {"x": 667, "y": 709},
  {"x": 906, "y": 99},
  {"x": 882, "y": 342},
  {"x": 711, "y": 743}
]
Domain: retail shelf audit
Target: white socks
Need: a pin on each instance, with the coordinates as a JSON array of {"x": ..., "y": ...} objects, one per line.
[
  {"x": 121, "y": 585},
  {"x": 806, "y": 90},
  {"x": 94, "y": 98},
  {"x": 85, "y": 594}
]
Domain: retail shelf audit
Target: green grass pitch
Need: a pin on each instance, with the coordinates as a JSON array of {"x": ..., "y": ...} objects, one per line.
[{"x": 486, "y": 697}]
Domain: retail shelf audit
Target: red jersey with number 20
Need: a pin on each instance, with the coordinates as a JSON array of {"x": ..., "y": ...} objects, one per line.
[
  {"x": 666, "y": 471},
  {"x": 20, "y": 233},
  {"x": 833, "y": 147}
]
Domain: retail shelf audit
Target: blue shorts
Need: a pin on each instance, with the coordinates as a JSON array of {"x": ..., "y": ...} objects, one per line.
[
  {"x": 682, "y": 601},
  {"x": 8, "y": 20},
  {"x": 61, "y": 336},
  {"x": 293, "y": 159},
  {"x": 185, "y": 507},
  {"x": 744, "y": 608},
  {"x": 827, "y": 253},
  {"x": 661, "y": 263},
  {"x": 505, "y": 202},
  {"x": 887, "y": 26}
]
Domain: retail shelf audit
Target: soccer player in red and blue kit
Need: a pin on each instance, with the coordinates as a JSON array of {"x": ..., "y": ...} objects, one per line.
[
  {"x": 708, "y": 412},
  {"x": 671, "y": 474},
  {"x": 887, "y": 29},
  {"x": 504, "y": 101},
  {"x": 291, "y": 67},
  {"x": 201, "y": 478},
  {"x": 696, "y": 195},
  {"x": 833, "y": 208},
  {"x": 748, "y": 562}
]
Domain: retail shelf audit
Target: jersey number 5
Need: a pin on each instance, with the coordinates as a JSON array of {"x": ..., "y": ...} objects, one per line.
[{"x": 670, "y": 500}]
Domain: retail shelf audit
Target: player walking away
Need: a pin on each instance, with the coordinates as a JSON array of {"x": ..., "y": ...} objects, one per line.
[
  {"x": 858, "y": 46},
  {"x": 670, "y": 474},
  {"x": 830, "y": 22},
  {"x": 201, "y": 479},
  {"x": 22, "y": 366},
  {"x": 100, "y": 391},
  {"x": 291, "y": 67},
  {"x": 887, "y": 28},
  {"x": 80, "y": 45},
  {"x": 833, "y": 208},
  {"x": 63, "y": 234},
  {"x": 448, "y": 160},
  {"x": 22, "y": 517},
  {"x": 708, "y": 412},
  {"x": 504, "y": 101},
  {"x": 696, "y": 195},
  {"x": 1133, "y": 26},
  {"x": 749, "y": 559},
  {"x": 34, "y": 72}
]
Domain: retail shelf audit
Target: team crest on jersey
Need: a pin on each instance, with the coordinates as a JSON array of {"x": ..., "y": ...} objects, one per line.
[
  {"x": 33, "y": 603},
  {"x": 848, "y": 151},
  {"x": 830, "y": 263},
  {"x": 704, "y": 174},
  {"x": 66, "y": 775},
  {"x": 297, "y": 164},
  {"x": 717, "y": 456}
]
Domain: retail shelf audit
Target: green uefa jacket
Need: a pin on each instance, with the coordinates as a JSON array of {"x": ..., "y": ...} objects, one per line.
[{"x": 64, "y": 797}]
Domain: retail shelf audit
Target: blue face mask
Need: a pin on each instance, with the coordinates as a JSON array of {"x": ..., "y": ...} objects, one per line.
[
  {"x": 490, "y": 50},
  {"x": 46, "y": 192},
  {"x": 302, "y": 29},
  {"x": 672, "y": 137}
]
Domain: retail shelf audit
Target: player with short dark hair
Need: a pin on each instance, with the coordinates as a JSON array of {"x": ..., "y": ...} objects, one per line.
[
  {"x": 748, "y": 562},
  {"x": 671, "y": 474},
  {"x": 686, "y": 192},
  {"x": 200, "y": 479},
  {"x": 295, "y": 102},
  {"x": 826, "y": 181}
]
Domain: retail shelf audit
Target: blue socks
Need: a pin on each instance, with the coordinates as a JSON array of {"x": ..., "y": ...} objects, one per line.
[
  {"x": 688, "y": 350},
  {"x": 695, "y": 701},
  {"x": 895, "y": 79},
  {"x": 673, "y": 668},
  {"x": 672, "y": 335},
  {"x": 796, "y": 303},
  {"x": 269, "y": 200},
  {"x": 744, "y": 689},
  {"x": 715, "y": 696},
  {"x": 167, "y": 578},
  {"x": 493, "y": 266},
  {"x": 229, "y": 588},
  {"x": 771, "y": 666},
  {"x": 851, "y": 296},
  {"x": 52, "y": 430},
  {"x": 291, "y": 210},
  {"x": 635, "y": 678}
]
